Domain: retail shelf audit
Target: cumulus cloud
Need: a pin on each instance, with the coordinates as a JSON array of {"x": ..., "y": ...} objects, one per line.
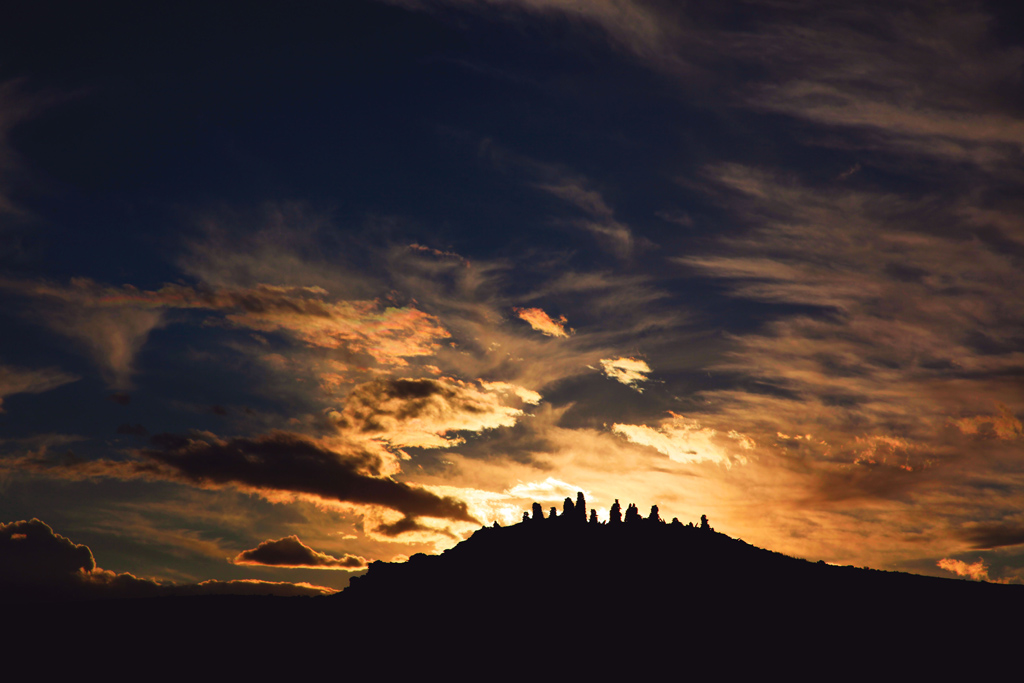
[
  {"x": 976, "y": 571},
  {"x": 629, "y": 371},
  {"x": 425, "y": 412},
  {"x": 687, "y": 440},
  {"x": 543, "y": 323},
  {"x": 293, "y": 553},
  {"x": 21, "y": 381},
  {"x": 38, "y": 564}
]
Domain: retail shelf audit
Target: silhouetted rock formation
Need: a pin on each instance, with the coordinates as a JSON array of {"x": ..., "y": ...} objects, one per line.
[{"x": 538, "y": 512}]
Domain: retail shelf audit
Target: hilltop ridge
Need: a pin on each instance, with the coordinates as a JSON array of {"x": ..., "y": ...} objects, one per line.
[{"x": 658, "y": 585}]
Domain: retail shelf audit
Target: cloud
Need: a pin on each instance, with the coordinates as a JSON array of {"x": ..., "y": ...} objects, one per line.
[
  {"x": 37, "y": 564},
  {"x": 424, "y": 412},
  {"x": 115, "y": 322},
  {"x": 550, "y": 489},
  {"x": 925, "y": 81},
  {"x": 976, "y": 571},
  {"x": 255, "y": 587},
  {"x": 23, "y": 381},
  {"x": 687, "y": 440},
  {"x": 628, "y": 371},
  {"x": 1002, "y": 426},
  {"x": 617, "y": 237},
  {"x": 989, "y": 536},
  {"x": 293, "y": 553},
  {"x": 542, "y": 322},
  {"x": 278, "y": 466},
  {"x": 112, "y": 324},
  {"x": 633, "y": 27},
  {"x": 524, "y": 394},
  {"x": 288, "y": 462}
]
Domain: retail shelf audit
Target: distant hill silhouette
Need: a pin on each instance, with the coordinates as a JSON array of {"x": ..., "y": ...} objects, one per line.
[{"x": 559, "y": 596}]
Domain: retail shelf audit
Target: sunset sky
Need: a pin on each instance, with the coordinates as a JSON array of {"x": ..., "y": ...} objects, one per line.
[{"x": 289, "y": 288}]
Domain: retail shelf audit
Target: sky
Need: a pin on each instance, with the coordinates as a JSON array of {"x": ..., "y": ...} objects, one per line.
[{"x": 285, "y": 290}]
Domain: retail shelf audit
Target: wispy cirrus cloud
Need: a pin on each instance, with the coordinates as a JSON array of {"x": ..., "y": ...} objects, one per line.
[
  {"x": 635, "y": 27},
  {"x": 926, "y": 81},
  {"x": 115, "y": 322},
  {"x": 15, "y": 380}
]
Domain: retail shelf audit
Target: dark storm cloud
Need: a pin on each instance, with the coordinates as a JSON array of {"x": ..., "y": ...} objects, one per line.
[{"x": 291, "y": 552}]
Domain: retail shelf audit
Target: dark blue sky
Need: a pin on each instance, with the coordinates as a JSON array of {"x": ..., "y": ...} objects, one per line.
[{"x": 758, "y": 260}]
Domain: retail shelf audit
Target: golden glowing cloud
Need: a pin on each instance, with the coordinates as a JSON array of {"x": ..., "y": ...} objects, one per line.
[
  {"x": 423, "y": 412},
  {"x": 542, "y": 322},
  {"x": 977, "y": 571},
  {"x": 686, "y": 440},
  {"x": 629, "y": 371}
]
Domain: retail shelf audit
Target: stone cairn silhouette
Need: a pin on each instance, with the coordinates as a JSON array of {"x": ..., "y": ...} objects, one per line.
[{"x": 576, "y": 513}]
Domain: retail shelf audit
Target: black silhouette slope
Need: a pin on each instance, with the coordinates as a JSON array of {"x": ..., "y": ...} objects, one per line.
[
  {"x": 551, "y": 597},
  {"x": 609, "y": 593}
]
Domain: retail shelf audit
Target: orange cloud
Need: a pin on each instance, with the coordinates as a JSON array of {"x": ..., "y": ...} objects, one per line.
[
  {"x": 1005, "y": 425},
  {"x": 542, "y": 322},
  {"x": 977, "y": 571}
]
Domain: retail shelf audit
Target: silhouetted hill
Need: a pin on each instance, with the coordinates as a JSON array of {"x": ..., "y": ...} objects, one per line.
[
  {"x": 646, "y": 593},
  {"x": 556, "y": 597}
]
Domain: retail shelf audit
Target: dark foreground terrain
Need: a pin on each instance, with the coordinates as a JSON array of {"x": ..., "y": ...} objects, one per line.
[{"x": 547, "y": 599}]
